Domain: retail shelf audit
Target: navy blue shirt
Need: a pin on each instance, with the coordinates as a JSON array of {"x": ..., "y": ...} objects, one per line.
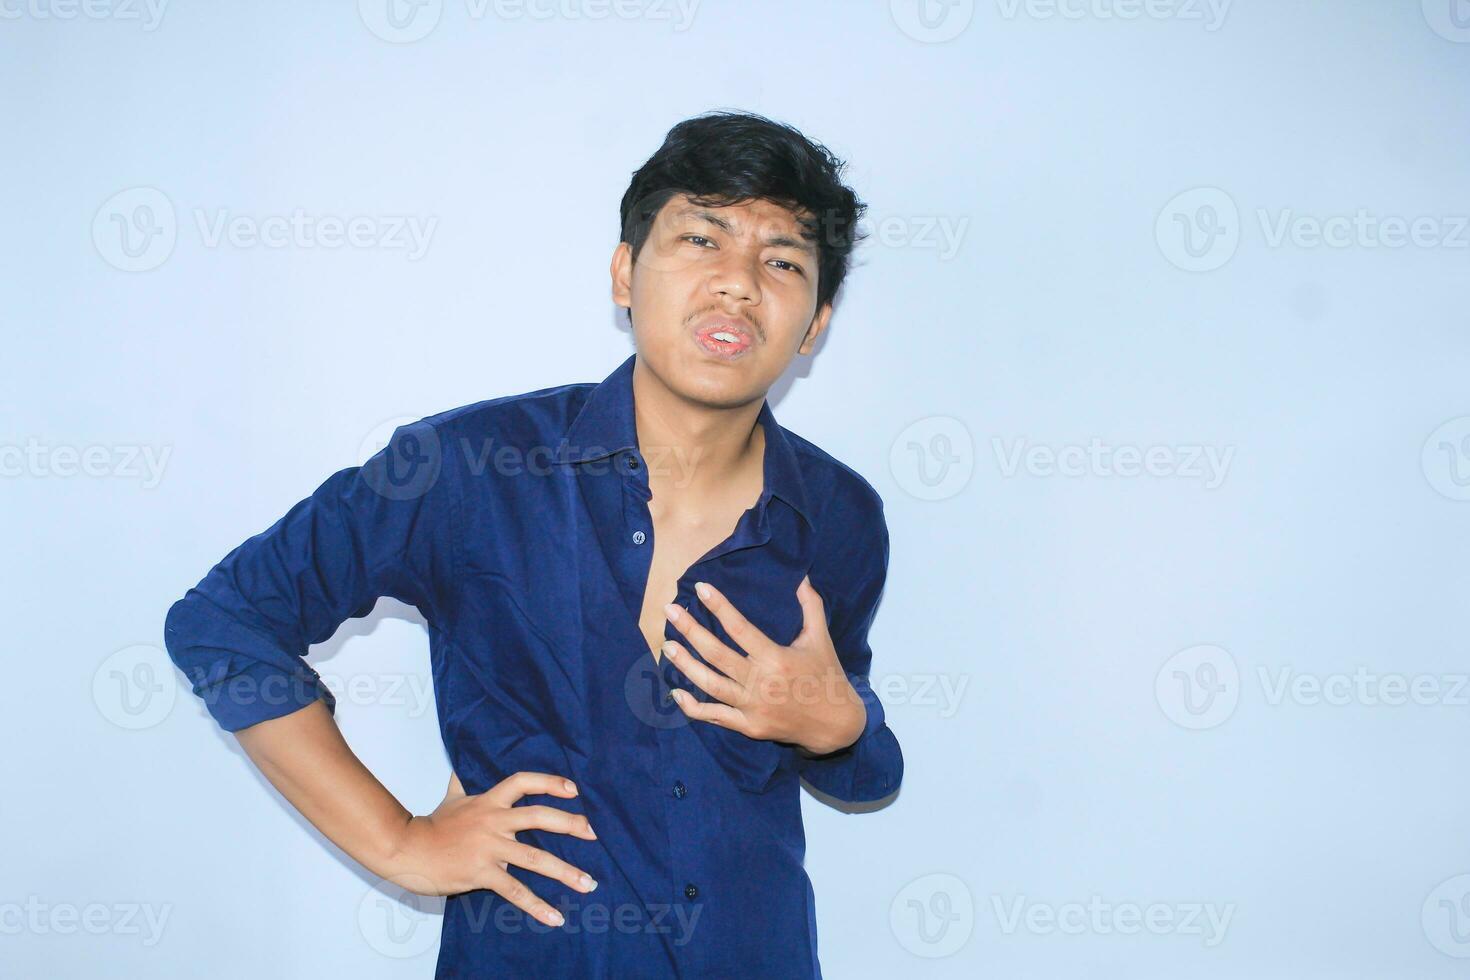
[{"x": 519, "y": 527}]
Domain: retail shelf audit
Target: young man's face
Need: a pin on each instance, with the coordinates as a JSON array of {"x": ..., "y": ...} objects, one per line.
[{"x": 721, "y": 298}]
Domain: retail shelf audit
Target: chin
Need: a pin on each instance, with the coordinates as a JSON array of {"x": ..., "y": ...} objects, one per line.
[
  {"x": 717, "y": 393},
  {"x": 713, "y": 384}
]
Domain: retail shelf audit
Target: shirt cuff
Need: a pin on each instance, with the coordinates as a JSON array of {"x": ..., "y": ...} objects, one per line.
[{"x": 259, "y": 693}]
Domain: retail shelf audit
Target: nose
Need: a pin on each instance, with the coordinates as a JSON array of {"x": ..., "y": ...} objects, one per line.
[{"x": 735, "y": 280}]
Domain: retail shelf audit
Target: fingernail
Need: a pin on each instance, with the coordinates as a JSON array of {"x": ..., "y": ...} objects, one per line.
[
  {"x": 571, "y": 787},
  {"x": 673, "y": 611},
  {"x": 702, "y": 589},
  {"x": 670, "y": 649},
  {"x": 555, "y": 918},
  {"x": 588, "y": 883},
  {"x": 592, "y": 832}
]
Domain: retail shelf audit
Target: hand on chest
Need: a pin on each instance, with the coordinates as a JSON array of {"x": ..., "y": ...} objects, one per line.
[{"x": 678, "y": 544}]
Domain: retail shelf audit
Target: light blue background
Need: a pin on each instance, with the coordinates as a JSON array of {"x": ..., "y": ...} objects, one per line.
[{"x": 1030, "y": 618}]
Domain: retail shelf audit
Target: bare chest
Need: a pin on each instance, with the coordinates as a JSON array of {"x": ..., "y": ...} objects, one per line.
[{"x": 678, "y": 544}]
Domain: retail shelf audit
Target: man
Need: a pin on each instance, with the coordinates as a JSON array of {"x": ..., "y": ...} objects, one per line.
[{"x": 648, "y": 606}]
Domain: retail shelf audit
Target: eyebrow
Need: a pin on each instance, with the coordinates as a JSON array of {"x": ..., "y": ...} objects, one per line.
[{"x": 778, "y": 241}]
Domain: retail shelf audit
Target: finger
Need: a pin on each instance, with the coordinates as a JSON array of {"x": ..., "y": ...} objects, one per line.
[
  {"x": 508, "y": 887},
  {"x": 548, "y": 864},
  {"x": 536, "y": 817},
  {"x": 708, "y": 680},
  {"x": 519, "y": 784},
  {"x": 813, "y": 609},
  {"x": 730, "y": 663},
  {"x": 714, "y": 713},
  {"x": 737, "y": 627}
]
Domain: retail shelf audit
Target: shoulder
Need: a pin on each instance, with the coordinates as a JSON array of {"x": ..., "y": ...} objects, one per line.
[
  {"x": 840, "y": 497},
  {"x": 516, "y": 418},
  {"x": 528, "y": 420},
  {"x": 851, "y": 532},
  {"x": 850, "y": 559},
  {"x": 460, "y": 443}
]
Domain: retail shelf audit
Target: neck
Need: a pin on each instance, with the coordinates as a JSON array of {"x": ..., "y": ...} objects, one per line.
[{"x": 692, "y": 450}]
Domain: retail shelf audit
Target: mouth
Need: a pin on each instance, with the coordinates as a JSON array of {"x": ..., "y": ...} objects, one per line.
[{"x": 723, "y": 337}]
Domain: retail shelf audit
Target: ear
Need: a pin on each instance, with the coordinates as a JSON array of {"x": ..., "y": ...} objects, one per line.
[
  {"x": 819, "y": 323},
  {"x": 622, "y": 275}
]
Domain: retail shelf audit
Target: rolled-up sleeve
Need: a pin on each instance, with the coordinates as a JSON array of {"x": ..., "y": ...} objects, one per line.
[
  {"x": 872, "y": 766},
  {"x": 383, "y": 528}
]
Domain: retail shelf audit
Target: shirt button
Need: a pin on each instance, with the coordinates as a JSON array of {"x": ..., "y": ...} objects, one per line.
[
  {"x": 632, "y": 461},
  {"x": 639, "y": 537},
  {"x": 690, "y": 891},
  {"x": 679, "y": 790}
]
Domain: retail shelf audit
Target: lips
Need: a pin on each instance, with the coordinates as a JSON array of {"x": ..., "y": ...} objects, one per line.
[{"x": 723, "y": 336}]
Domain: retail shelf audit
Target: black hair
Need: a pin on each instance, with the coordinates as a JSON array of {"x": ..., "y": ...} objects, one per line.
[{"x": 724, "y": 157}]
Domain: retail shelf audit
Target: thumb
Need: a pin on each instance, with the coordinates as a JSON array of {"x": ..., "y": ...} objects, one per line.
[{"x": 813, "y": 610}]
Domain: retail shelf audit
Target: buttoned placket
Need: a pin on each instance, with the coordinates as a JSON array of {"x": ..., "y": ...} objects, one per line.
[{"x": 676, "y": 742}]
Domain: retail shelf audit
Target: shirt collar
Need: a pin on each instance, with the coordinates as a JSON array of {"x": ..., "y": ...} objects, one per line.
[{"x": 606, "y": 424}]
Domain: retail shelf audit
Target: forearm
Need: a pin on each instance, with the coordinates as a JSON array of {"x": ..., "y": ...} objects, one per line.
[{"x": 305, "y": 757}]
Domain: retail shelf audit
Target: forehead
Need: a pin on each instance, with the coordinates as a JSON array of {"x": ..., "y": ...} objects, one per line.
[{"x": 739, "y": 218}]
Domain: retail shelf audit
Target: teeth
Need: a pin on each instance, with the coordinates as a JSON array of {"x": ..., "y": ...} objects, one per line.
[{"x": 724, "y": 335}]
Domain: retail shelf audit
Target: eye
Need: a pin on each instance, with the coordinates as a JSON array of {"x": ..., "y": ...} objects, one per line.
[
  {"x": 794, "y": 268},
  {"x": 689, "y": 238}
]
